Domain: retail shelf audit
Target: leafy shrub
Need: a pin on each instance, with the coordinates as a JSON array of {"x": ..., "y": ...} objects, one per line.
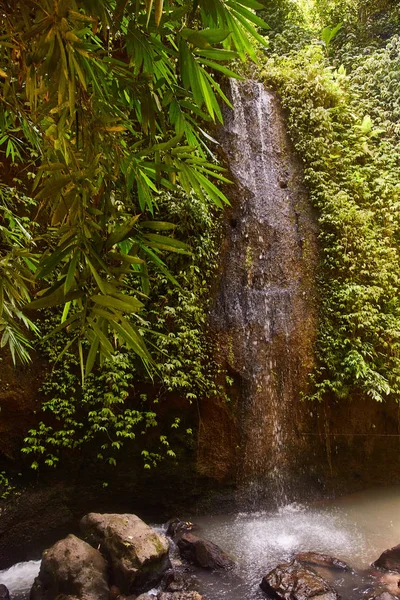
[{"x": 345, "y": 128}]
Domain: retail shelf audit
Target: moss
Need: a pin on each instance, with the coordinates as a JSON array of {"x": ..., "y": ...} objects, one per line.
[{"x": 352, "y": 172}]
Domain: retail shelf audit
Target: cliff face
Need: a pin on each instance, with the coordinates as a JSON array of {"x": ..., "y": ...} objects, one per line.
[
  {"x": 19, "y": 401},
  {"x": 265, "y": 310},
  {"x": 275, "y": 445}
]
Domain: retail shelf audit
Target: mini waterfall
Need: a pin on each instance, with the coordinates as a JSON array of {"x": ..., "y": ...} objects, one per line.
[{"x": 264, "y": 314}]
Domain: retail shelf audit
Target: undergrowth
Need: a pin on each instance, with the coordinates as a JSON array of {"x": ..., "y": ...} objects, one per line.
[
  {"x": 120, "y": 401},
  {"x": 345, "y": 127}
]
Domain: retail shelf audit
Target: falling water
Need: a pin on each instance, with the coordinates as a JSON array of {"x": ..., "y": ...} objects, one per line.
[
  {"x": 19, "y": 578},
  {"x": 264, "y": 314}
]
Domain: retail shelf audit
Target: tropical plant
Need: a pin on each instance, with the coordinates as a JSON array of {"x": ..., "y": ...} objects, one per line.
[{"x": 103, "y": 104}]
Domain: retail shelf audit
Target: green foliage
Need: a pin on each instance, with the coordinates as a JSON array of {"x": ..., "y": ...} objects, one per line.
[
  {"x": 345, "y": 127},
  {"x": 17, "y": 265},
  {"x": 104, "y": 104},
  {"x": 7, "y": 489},
  {"x": 96, "y": 412},
  {"x": 111, "y": 409},
  {"x": 183, "y": 352}
]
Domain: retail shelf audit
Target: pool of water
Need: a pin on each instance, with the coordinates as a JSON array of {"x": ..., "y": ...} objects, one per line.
[{"x": 355, "y": 528}]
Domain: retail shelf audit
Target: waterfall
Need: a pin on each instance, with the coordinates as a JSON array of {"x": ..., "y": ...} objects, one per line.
[{"x": 264, "y": 314}]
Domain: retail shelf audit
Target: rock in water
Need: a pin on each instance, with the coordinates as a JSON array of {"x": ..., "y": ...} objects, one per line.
[
  {"x": 389, "y": 560},
  {"x": 137, "y": 554},
  {"x": 176, "y": 528},
  {"x": 71, "y": 568},
  {"x": 292, "y": 581},
  {"x": 4, "y": 594},
  {"x": 203, "y": 553},
  {"x": 322, "y": 560},
  {"x": 179, "y": 596}
]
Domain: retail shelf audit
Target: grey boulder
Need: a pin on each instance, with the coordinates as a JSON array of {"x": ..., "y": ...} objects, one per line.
[
  {"x": 73, "y": 569},
  {"x": 137, "y": 554},
  {"x": 203, "y": 553},
  {"x": 292, "y": 581}
]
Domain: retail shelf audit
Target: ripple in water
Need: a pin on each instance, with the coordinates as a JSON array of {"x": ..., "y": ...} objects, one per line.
[{"x": 355, "y": 529}]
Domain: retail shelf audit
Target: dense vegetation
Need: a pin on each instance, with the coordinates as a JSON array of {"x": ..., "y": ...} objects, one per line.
[
  {"x": 341, "y": 90},
  {"x": 103, "y": 105},
  {"x": 110, "y": 188},
  {"x": 109, "y": 179}
]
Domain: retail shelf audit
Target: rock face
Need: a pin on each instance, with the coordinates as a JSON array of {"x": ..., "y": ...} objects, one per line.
[
  {"x": 203, "y": 553},
  {"x": 322, "y": 560},
  {"x": 294, "y": 582},
  {"x": 389, "y": 560},
  {"x": 264, "y": 315},
  {"x": 138, "y": 555},
  {"x": 74, "y": 569}
]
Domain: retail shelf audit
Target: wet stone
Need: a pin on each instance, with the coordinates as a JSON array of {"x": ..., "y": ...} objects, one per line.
[
  {"x": 292, "y": 581},
  {"x": 322, "y": 560},
  {"x": 4, "y": 593},
  {"x": 176, "y": 528},
  {"x": 389, "y": 560},
  {"x": 203, "y": 553}
]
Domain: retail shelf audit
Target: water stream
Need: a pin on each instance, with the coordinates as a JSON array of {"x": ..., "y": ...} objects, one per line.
[
  {"x": 264, "y": 312},
  {"x": 355, "y": 528}
]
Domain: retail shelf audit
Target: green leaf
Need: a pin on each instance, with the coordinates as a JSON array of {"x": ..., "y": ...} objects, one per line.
[
  {"x": 128, "y": 305},
  {"x": 71, "y": 271},
  {"x": 158, "y": 225}
]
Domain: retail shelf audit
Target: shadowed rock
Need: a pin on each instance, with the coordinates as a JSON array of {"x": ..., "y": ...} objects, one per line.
[
  {"x": 4, "y": 594},
  {"x": 294, "y": 582},
  {"x": 176, "y": 528},
  {"x": 137, "y": 554},
  {"x": 389, "y": 560},
  {"x": 73, "y": 569},
  {"x": 203, "y": 553}
]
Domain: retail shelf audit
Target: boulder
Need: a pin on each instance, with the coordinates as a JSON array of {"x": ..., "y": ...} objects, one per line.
[
  {"x": 4, "y": 593},
  {"x": 176, "y": 528},
  {"x": 179, "y": 596},
  {"x": 389, "y": 560},
  {"x": 386, "y": 596},
  {"x": 176, "y": 581},
  {"x": 71, "y": 568},
  {"x": 292, "y": 581},
  {"x": 137, "y": 554},
  {"x": 322, "y": 560},
  {"x": 203, "y": 553}
]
